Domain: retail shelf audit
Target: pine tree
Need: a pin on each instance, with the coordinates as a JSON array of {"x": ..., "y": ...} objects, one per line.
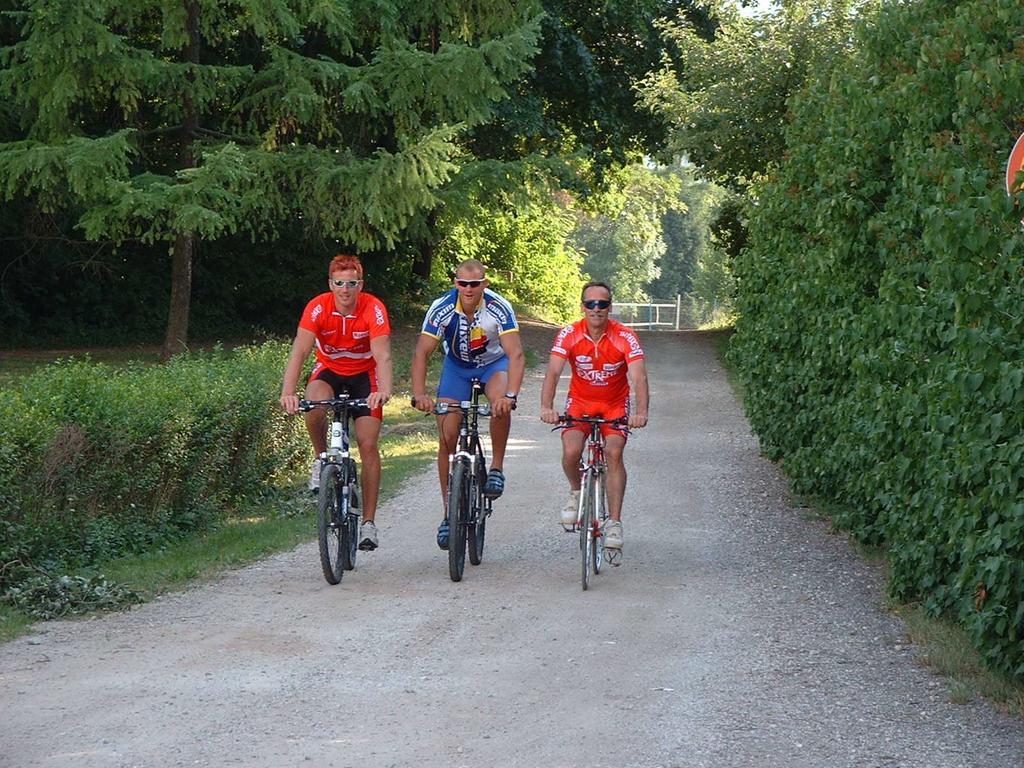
[{"x": 180, "y": 121}]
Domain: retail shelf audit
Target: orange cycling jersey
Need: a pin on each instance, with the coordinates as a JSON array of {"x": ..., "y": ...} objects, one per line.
[
  {"x": 343, "y": 341},
  {"x": 598, "y": 367}
]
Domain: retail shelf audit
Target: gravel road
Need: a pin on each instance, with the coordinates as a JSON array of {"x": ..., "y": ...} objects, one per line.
[{"x": 737, "y": 632}]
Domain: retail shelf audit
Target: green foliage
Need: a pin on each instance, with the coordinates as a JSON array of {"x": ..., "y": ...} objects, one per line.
[
  {"x": 696, "y": 264},
  {"x": 622, "y": 237},
  {"x": 522, "y": 240},
  {"x": 724, "y": 100},
  {"x": 578, "y": 103},
  {"x": 272, "y": 115},
  {"x": 147, "y": 123},
  {"x": 881, "y": 337},
  {"x": 99, "y": 461}
]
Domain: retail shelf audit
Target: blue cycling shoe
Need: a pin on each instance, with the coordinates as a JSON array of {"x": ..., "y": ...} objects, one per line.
[
  {"x": 495, "y": 485},
  {"x": 442, "y": 534}
]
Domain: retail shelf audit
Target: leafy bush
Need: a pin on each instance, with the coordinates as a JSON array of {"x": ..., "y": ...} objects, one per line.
[
  {"x": 881, "y": 335},
  {"x": 98, "y": 461},
  {"x": 50, "y": 597}
]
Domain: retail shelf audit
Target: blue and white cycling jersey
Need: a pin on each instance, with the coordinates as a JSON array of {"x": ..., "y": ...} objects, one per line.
[{"x": 476, "y": 343}]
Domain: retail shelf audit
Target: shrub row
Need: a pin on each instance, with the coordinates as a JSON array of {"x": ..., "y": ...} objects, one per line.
[
  {"x": 881, "y": 339},
  {"x": 99, "y": 461}
]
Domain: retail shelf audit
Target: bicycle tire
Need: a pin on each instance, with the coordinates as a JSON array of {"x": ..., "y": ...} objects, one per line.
[
  {"x": 478, "y": 527},
  {"x": 587, "y": 529},
  {"x": 600, "y": 515},
  {"x": 328, "y": 527},
  {"x": 349, "y": 513},
  {"x": 458, "y": 513}
]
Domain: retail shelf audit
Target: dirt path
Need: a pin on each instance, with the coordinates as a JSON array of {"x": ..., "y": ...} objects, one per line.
[{"x": 736, "y": 633}]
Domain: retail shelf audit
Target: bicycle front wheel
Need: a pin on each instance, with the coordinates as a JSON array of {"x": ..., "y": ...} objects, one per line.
[
  {"x": 349, "y": 513},
  {"x": 600, "y": 515},
  {"x": 477, "y": 528},
  {"x": 458, "y": 519},
  {"x": 587, "y": 529},
  {"x": 329, "y": 523}
]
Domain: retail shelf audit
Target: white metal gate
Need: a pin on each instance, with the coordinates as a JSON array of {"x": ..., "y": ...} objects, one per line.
[{"x": 654, "y": 315}]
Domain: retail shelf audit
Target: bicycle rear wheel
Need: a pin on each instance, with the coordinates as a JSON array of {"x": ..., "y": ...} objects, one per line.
[
  {"x": 329, "y": 524},
  {"x": 458, "y": 516},
  {"x": 478, "y": 514},
  {"x": 587, "y": 529},
  {"x": 350, "y": 515}
]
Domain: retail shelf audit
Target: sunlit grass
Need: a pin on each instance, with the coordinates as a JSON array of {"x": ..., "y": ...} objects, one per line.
[{"x": 720, "y": 320}]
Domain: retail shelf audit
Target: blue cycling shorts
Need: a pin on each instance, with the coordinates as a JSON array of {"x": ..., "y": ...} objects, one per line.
[{"x": 454, "y": 383}]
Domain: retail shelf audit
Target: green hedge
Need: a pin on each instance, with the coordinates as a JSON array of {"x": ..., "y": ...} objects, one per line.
[
  {"x": 99, "y": 461},
  {"x": 881, "y": 339}
]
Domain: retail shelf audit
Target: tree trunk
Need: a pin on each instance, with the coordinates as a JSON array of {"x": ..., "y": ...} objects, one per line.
[
  {"x": 176, "y": 338},
  {"x": 181, "y": 295},
  {"x": 423, "y": 261}
]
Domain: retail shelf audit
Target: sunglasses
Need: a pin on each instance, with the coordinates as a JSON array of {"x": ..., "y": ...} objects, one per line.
[
  {"x": 597, "y": 303},
  {"x": 346, "y": 283},
  {"x": 468, "y": 283}
]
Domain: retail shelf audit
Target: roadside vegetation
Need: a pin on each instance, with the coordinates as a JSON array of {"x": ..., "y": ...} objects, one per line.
[{"x": 122, "y": 480}]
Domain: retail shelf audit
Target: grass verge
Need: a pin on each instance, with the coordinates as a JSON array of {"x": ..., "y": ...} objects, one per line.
[
  {"x": 947, "y": 650},
  {"x": 722, "y": 338}
]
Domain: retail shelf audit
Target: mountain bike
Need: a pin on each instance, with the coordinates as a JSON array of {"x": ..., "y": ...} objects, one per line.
[
  {"x": 337, "y": 513},
  {"x": 593, "y": 509},
  {"x": 468, "y": 508}
]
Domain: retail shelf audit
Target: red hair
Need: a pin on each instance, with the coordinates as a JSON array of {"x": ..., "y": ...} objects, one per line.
[{"x": 344, "y": 261}]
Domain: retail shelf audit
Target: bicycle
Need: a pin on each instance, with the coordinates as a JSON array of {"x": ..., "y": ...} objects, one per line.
[
  {"x": 593, "y": 508},
  {"x": 468, "y": 508},
  {"x": 337, "y": 514}
]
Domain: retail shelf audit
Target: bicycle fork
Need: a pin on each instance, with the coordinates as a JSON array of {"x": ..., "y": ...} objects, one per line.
[{"x": 338, "y": 453}]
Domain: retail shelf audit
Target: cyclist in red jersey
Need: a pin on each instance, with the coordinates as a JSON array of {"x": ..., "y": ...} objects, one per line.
[
  {"x": 605, "y": 357},
  {"x": 351, "y": 333}
]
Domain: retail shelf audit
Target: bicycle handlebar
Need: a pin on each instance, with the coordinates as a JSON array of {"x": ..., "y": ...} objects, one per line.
[
  {"x": 309, "y": 405},
  {"x": 440, "y": 409},
  {"x": 567, "y": 420}
]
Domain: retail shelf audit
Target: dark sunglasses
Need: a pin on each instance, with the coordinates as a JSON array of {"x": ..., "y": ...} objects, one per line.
[
  {"x": 346, "y": 283},
  {"x": 597, "y": 303},
  {"x": 468, "y": 283}
]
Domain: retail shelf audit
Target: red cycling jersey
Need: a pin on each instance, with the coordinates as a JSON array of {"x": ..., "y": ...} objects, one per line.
[
  {"x": 598, "y": 367},
  {"x": 343, "y": 341}
]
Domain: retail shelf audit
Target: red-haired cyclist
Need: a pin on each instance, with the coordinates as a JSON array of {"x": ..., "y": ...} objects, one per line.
[{"x": 351, "y": 333}]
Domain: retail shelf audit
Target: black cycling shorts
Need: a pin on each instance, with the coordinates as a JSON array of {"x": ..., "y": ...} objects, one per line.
[{"x": 358, "y": 387}]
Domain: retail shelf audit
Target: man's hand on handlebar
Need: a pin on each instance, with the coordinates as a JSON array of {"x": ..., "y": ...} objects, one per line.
[
  {"x": 503, "y": 406},
  {"x": 423, "y": 403},
  {"x": 377, "y": 399},
  {"x": 549, "y": 415},
  {"x": 637, "y": 421},
  {"x": 290, "y": 404}
]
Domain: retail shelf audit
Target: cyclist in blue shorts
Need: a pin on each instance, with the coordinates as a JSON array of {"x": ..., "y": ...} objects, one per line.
[{"x": 481, "y": 340}]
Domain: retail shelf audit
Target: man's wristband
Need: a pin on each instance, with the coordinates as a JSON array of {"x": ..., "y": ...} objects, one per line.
[{"x": 512, "y": 395}]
